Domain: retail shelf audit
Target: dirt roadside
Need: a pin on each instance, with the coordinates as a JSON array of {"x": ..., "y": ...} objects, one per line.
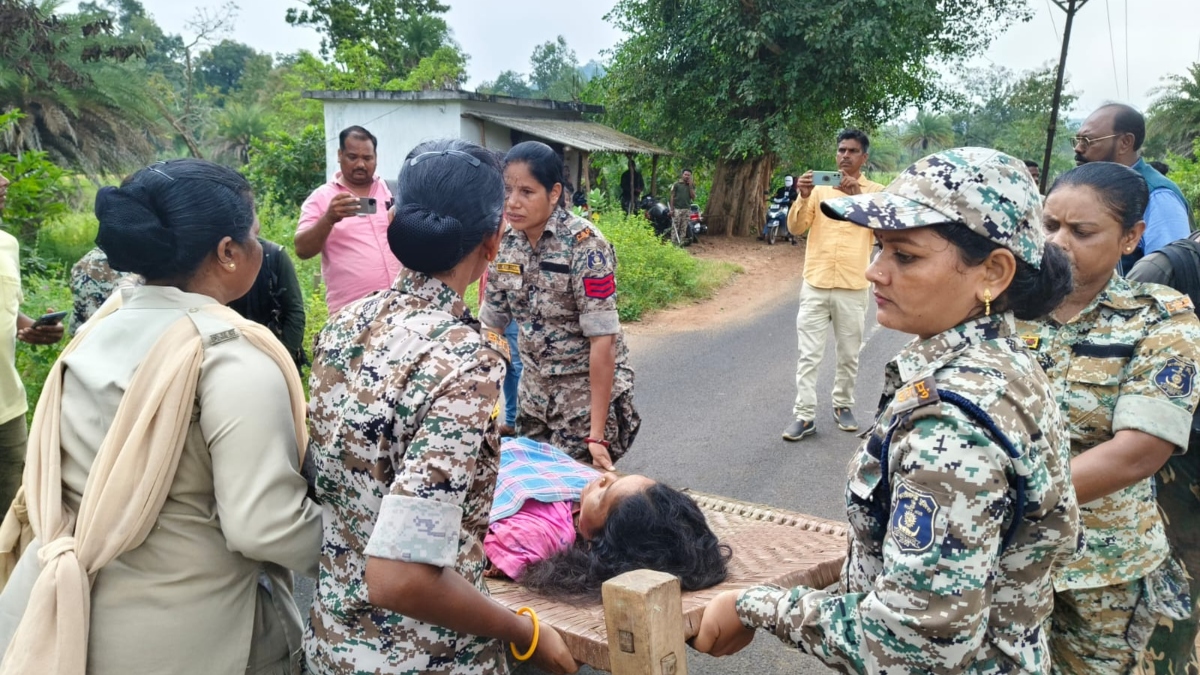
[{"x": 770, "y": 272}]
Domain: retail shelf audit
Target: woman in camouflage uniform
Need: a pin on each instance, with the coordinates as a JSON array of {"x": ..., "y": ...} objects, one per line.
[
  {"x": 1122, "y": 355},
  {"x": 404, "y": 448},
  {"x": 555, "y": 276},
  {"x": 960, "y": 501}
]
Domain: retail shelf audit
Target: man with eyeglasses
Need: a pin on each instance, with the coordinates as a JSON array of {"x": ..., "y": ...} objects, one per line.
[{"x": 1114, "y": 133}]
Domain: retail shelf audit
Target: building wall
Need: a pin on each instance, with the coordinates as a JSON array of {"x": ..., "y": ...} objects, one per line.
[{"x": 399, "y": 126}]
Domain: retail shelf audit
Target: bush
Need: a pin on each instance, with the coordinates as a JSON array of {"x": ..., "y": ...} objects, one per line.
[
  {"x": 37, "y": 191},
  {"x": 66, "y": 239},
  {"x": 286, "y": 168},
  {"x": 43, "y": 293}
]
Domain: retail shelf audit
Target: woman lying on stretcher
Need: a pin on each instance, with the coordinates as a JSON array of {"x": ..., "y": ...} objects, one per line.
[{"x": 562, "y": 528}]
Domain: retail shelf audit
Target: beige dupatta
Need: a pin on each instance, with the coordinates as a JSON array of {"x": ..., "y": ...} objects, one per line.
[{"x": 126, "y": 487}]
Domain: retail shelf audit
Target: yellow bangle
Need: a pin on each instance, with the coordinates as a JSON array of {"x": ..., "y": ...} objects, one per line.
[{"x": 533, "y": 646}]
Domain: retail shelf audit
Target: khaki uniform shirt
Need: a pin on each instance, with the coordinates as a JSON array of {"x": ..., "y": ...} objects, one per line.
[
  {"x": 209, "y": 590},
  {"x": 404, "y": 458},
  {"x": 12, "y": 391},
  {"x": 927, "y": 586},
  {"x": 1128, "y": 361}
]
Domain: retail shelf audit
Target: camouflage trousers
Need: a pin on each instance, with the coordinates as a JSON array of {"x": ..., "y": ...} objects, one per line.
[
  {"x": 13, "y": 438},
  {"x": 559, "y": 412},
  {"x": 1102, "y": 631},
  {"x": 681, "y": 219},
  {"x": 1172, "y": 649}
]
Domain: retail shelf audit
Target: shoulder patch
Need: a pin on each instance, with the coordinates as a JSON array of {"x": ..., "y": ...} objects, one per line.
[
  {"x": 1175, "y": 378},
  {"x": 914, "y": 519},
  {"x": 596, "y": 260},
  {"x": 915, "y": 395},
  {"x": 497, "y": 343},
  {"x": 1180, "y": 304},
  {"x": 583, "y": 235},
  {"x": 508, "y": 268}
]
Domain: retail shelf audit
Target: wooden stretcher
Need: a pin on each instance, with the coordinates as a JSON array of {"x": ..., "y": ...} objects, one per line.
[{"x": 652, "y": 619}]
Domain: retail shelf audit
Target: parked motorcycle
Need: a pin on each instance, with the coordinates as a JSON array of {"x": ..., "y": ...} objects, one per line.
[
  {"x": 697, "y": 224},
  {"x": 776, "y": 224}
]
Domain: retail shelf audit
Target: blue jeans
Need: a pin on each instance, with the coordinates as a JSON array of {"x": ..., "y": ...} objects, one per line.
[{"x": 513, "y": 376}]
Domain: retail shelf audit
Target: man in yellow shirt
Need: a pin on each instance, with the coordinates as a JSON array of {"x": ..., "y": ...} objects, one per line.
[
  {"x": 835, "y": 288},
  {"x": 13, "y": 326}
]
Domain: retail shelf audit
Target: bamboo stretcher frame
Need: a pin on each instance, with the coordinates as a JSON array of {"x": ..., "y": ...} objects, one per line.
[{"x": 653, "y": 619}]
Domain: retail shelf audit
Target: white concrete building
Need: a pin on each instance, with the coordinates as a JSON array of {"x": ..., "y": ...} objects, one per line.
[{"x": 403, "y": 119}]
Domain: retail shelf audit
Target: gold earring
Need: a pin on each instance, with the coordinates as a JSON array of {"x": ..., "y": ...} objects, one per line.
[
  {"x": 987, "y": 302},
  {"x": 232, "y": 266}
]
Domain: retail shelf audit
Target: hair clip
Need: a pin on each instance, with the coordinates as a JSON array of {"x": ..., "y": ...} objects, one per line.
[
  {"x": 154, "y": 167},
  {"x": 469, "y": 158}
]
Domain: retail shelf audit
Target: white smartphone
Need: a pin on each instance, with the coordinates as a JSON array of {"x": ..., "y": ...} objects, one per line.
[{"x": 830, "y": 178}]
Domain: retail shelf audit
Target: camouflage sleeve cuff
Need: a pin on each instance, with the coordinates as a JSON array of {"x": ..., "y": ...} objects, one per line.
[
  {"x": 594, "y": 324},
  {"x": 417, "y": 530},
  {"x": 767, "y": 606},
  {"x": 492, "y": 318},
  {"x": 1155, "y": 416}
]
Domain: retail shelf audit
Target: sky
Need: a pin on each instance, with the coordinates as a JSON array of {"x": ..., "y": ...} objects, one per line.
[{"x": 501, "y": 34}]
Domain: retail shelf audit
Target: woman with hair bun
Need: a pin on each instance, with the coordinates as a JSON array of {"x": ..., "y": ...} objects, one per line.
[
  {"x": 555, "y": 275},
  {"x": 1123, "y": 356},
  {"x": 163, "y": 476},
  {"x": 404, "y": 452}
]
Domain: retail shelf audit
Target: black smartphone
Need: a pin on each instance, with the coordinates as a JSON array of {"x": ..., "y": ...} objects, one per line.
[{"x": 50, "y": 319}]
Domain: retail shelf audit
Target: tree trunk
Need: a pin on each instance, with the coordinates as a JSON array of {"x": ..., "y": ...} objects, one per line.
[{"x": 736, "y": 205}]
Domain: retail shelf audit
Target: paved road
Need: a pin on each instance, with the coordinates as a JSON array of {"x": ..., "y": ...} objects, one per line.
[{"x": 714, "y": 404}]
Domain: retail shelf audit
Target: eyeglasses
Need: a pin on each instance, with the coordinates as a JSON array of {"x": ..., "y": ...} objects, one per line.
[
  {"x": 1083, "y": 142},
  {"x": 468, "y": 158}
]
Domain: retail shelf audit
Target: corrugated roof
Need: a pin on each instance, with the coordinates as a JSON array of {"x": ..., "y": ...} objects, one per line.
[{"x": 580, "y": 134}]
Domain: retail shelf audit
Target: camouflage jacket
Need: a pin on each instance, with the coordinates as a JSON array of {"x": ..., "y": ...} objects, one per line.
[
  {"x": 561, "y": 293},
  {"x": 927, "y": 585},
  {"x": 404, "y": 459},
  {"x": 1128, "y": 361},
  {"x": 92, "y": 281}
]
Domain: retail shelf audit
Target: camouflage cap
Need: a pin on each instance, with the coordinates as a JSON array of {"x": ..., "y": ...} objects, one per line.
[{"x": 988, "y": 191}]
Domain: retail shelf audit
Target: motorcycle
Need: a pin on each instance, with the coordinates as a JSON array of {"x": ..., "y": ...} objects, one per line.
[
  {"x": 777, "y": 216},
  {"x": 659, "y": 215},
  {"x": 696, "y": 223}
]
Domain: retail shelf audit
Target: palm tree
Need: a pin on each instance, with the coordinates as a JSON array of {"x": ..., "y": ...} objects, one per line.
[
  {"x": 1174, "y": 120},
  {"x": 237, "y": 126},
  {"x": 83, "y": 104},
  {"x": 928, "y": 133}
]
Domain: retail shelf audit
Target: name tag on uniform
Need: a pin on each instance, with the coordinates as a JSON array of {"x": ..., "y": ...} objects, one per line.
[
  {"x": 1179, "y": 305},
  {"x": 497, "y": 342},
  {"x": 508, "y": 268},
  {"x": 915, "y": 395}
]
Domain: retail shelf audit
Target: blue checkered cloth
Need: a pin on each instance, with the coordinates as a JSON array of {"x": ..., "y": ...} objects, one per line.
[{"x": 532, "y": 470}]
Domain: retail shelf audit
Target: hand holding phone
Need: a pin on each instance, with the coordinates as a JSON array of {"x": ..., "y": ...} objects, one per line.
[
  {"x": 50, "y": 319},
  {"x": 366, "y": 206},
  {"x": 827, "y": 178}
]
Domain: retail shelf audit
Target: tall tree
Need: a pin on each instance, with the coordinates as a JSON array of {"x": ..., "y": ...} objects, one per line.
[
  {"x": 67, "y": 73},
  {"x": 398, "y": 32},
  {"x": 554, "y": 71},
  {"x": 1174, "y": 121},
  {"x": 223, "y": 65},
  {"x": 508, "y": 83},
  {"x": 928, "y": 133},
  {"x": 735, "y": 81}
]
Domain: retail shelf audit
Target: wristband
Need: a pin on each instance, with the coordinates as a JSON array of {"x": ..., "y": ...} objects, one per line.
[
  {"x": 599, "y": 441},
  {"x": 532, "y": 645}
]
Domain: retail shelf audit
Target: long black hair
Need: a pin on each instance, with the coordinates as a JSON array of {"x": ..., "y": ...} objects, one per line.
[
  {"x": 167, "y": 218},
  {"x": 660, "y": 529},
  {"x": 1034, "y": 291}
]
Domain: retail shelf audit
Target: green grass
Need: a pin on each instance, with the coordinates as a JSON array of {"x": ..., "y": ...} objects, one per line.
[{"x": 651, "y": 275}]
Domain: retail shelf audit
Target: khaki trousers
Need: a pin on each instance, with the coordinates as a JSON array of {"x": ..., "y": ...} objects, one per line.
[
  {"x": 846, "y": 310},
  {"x": 13, "y": 437}
]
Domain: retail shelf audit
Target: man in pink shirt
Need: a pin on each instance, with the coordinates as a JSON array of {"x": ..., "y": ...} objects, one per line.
[{"x": 355, "y": 258}]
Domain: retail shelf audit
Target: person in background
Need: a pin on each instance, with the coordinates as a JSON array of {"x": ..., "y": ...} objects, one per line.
[
  {"x": 1161, "y": 167},
  {"x": 92, "y": 281},
  {"x": 404, "y": 451},
  {"x": 632, "y": 187},
  {"x": 834, "y": 291},
  {"x": 1035, "y": 171},
  {"x": 355, "y": 260},
  {"x": 1114, "y": 133},
  {"x": 275, "y": 300},
  {"x": 14, "y": 325},
  {"x": 683, "y": 193},
  {"x": 784, "y": 196},
  {"x": 512, "y": 377},
  {"x": 555, "y": 274},
  {"x": 959, "y": 500},
  {"x": 1123, "y": 357}
]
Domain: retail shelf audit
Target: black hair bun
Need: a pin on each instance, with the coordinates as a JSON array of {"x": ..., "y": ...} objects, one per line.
[
  {"x": 132, "y": 235},
  {"x": 425, "y": 241}
]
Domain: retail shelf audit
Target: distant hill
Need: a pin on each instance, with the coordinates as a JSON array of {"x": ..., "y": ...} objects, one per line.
[{"x": 592, "y": 69}]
